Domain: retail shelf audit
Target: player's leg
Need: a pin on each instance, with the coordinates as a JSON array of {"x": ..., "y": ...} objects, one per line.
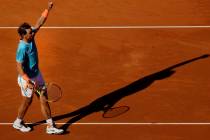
[
  {"x": 26, "y": 102},
  {"x": 45, "y": 108}
]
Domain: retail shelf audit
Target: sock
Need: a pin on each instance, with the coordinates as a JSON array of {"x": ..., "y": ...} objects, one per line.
[
  {"x": 18, "y": 120},
  {"x": 49, "y": 122}
]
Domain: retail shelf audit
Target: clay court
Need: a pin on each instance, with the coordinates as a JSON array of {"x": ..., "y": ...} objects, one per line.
[{"x": 152, "y": 56}]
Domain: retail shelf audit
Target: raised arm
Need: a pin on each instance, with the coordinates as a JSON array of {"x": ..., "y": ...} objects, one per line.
[{"x": 43, "y": 17}]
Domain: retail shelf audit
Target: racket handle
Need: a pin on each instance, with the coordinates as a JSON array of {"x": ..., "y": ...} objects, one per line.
[{"x": 37, "y": 91}]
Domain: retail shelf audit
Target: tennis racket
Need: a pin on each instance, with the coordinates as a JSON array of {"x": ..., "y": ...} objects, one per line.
[
  {"x": 115, "y": 111},
  {"x": 53, "y": 94}
]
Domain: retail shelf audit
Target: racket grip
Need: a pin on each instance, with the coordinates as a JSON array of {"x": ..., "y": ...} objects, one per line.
[{"x": 37, "y": 91}]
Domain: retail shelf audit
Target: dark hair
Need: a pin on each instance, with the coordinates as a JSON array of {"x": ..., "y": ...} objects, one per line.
[{"x": 22, "y": 29}]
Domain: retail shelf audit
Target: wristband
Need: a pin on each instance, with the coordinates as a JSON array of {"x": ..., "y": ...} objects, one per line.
[{"x": 45, "y": 13}]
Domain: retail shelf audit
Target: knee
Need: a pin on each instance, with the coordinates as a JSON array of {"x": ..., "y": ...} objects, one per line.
[
  {"x": 27, "y": 101},
  {"x": 43, "y": 99}
]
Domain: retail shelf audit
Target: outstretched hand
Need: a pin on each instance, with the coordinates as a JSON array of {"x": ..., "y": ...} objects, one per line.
[{"x": 50, "y": 5}]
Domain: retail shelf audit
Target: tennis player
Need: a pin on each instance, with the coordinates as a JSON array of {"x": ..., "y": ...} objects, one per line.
[{"x": 29, "y": 74}]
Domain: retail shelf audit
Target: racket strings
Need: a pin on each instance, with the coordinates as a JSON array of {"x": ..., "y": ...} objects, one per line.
[{"x": 53, "y": 92}]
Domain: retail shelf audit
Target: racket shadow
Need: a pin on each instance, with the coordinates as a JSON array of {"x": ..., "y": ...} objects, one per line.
[{"x": 109, "y": 100}]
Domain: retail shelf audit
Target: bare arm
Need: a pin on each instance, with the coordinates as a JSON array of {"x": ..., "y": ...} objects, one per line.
[
  {"x": 20, "y": 70},
  {"x": 24, "y": 75},
  {"x": 43, "y": 17}
]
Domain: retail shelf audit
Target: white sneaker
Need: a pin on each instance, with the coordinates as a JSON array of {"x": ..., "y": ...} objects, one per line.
[
  {"x": 54, "y": 130},
  {"x": 21, "y": 126}
]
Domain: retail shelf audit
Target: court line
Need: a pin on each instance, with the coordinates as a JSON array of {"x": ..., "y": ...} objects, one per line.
[
  {"x": 110, "y": 27},
  {"x": 172, "y": 123}
]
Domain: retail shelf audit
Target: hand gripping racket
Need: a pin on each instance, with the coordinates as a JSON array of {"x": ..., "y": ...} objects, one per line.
[{"x": 53, "y": 94}]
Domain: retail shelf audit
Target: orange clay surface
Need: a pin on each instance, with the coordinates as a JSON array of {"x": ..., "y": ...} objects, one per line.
[{"x": 163, "y": 75}]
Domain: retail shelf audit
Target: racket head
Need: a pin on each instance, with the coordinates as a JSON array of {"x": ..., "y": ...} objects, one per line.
[
  {"x": 115, "y": 111},
  {"x": 54, "y": 92}
]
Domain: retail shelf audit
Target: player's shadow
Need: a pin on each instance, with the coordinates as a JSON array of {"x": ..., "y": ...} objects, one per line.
[{"x": 112, "y": 98}]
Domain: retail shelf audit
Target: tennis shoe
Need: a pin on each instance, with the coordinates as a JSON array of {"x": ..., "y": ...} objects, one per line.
[
  {"x": 53, "y": 130},
  {"x": 21, "y": 126}
]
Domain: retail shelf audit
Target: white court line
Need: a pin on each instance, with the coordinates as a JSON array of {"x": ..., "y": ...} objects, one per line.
[
  {"x": 111, "y": 27},
  {"x": 122, "y": 123}
]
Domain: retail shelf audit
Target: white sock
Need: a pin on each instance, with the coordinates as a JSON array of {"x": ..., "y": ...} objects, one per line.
[
  {"x": 49, "y": 122},
  {"x": 18, "y": 120}
]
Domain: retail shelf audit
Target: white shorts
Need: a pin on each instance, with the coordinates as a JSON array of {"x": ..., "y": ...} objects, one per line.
[{"x": 27, "y": 92}]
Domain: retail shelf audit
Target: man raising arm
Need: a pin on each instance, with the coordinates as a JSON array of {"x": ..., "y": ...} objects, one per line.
[{"x": 29, "y": 74}]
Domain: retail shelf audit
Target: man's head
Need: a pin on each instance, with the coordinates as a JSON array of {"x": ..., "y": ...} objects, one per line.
[{"x": 25, "y": 32}]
